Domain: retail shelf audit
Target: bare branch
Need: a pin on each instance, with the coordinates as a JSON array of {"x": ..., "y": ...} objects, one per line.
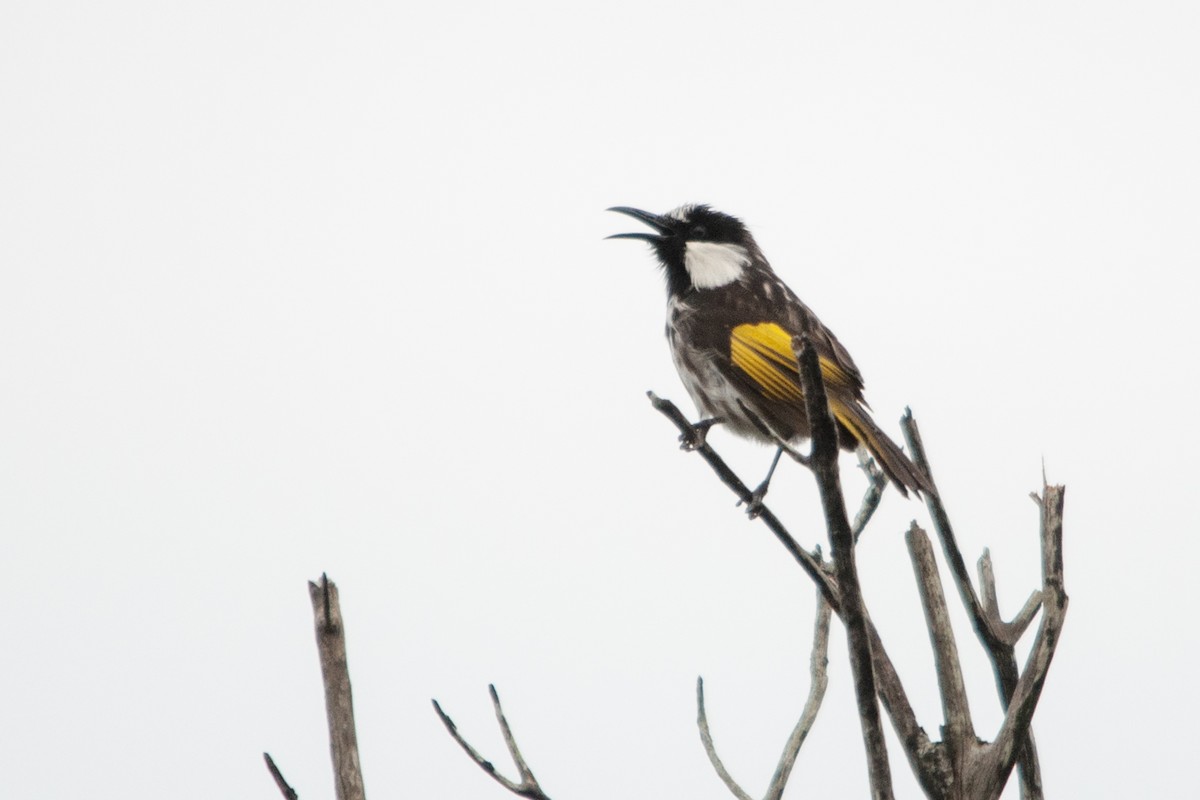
[
  {"x": 693, "y": 438},
  {"x": 1051, "y": 504},
  {"x": 925, "y": 759},
  {"x": 509, "y": 741},
  {"x": 288, "y": 792},
  {"x": 961, "y": 761},
  {"x": 1054, "y": 606},
  {"x": 818, "y": 670},
  {"x": 945, "y": 532},
  {"x": 823, "y": 458},
  {"x": 1003, "y": 752},
  {"x": 1025, "y": 616},
  {"x": 876, "y": 483},
  {"x": 528, "y": 787},
  {"x": 937, "y": 766},
  {"x": 999, "y": 651},
  {"x": 710, "y": 747},
  {"x": 818, "y": 663},
  {"x": 959, "y": 733},
  {"x": 1009, "y": 632},
  {"x": 339, "y": 705}
]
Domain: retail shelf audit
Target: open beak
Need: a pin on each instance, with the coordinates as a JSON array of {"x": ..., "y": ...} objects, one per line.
[{"x": 653, "y": 220}]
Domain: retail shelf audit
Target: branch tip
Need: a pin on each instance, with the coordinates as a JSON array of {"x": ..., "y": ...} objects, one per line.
[{"x": 284, "y": 787}]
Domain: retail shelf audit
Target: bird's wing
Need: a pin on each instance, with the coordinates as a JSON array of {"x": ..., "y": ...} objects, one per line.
[
  {"x": 828, "y": 347},
  {"x": 764, "y": 352},
  {"x": 762, "y": 360}
]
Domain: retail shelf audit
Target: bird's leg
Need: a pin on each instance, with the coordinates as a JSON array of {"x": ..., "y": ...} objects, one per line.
[
  {"x": 754, "y": 504},
  {"x": 796, "y": 455},
  {"x": 773, "y": 436},
  {"x": 697, "y": 437}
]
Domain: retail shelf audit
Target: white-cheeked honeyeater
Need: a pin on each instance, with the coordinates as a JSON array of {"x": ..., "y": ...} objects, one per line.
[{"x": 730, "y": 325}]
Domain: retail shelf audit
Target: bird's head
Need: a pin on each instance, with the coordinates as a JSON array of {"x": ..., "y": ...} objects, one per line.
[{"x": 698, "y": 247}]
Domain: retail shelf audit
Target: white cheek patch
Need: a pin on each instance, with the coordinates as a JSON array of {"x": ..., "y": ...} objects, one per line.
[{"x": 713, "y": 264}]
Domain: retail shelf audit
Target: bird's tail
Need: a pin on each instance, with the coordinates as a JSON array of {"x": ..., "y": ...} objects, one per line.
[{"x": 895, "y": 464}]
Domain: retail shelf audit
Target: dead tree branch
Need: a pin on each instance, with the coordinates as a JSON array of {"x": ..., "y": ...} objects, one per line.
[
  {"x": 1015, "y": 728},
  {"x": 824, "y": 458},
  {"x": 528, "y": 786},
  {"x": 339, "y": 705},
  {"x": 876, "y": 483},
  {"x": 961, "y": 766},
  {"x": 924, "y": 758},
  {"x": 1008, "y": 632},
  {"x": 818, "y": 663},
  {"x": 693, "y": 439},
  {"x": 284, "y": 787},
  {"x": 941, "y": 523},
  {"x": 996, "y": 638},
  {"x": 958, "y": 734}
]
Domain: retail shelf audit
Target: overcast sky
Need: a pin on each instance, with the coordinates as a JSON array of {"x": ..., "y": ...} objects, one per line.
[{"x": 299, "y": 287}]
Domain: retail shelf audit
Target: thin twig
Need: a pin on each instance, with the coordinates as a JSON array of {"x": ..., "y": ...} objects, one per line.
[
  {"x": 1020, "y": 623},
  {"x": 823, "y": 457},
  {"x": 528, "y": 787},
  {"x": 284, "y": 787},
  {"x": 1009, "y": 632},
  {"x": 510, "y": 741},
  {"x": 818, "y": 663},
  {"x": 876, "y": 483},
  {"x": 710, "y": 748},
  {"x": 693, "y": 439}
]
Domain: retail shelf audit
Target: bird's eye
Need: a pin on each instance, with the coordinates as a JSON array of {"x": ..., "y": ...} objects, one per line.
[{"x": 699, "y": 232}]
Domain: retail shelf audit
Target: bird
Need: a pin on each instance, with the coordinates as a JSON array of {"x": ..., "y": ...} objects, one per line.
[{"x": 730, "y": 325}]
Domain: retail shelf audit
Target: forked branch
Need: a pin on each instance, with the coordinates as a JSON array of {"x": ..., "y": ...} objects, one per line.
[
  {"x": 1008, "y": 632},
  {"x": 528, "y": 785},
  {"x": 818, "y": 664},
  {"x": 961, "y": 766},
  {"x": 922, "y": 755},
  {"x": 1015, "y": 728},
  {"x": 997, "y": 638}
]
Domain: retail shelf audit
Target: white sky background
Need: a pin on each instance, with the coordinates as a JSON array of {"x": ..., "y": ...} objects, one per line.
[{"x": 296, "y": 287}]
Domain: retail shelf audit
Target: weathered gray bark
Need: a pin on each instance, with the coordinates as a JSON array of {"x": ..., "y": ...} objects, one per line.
[
  {"x": 339, "y": 705},
  {"x": 961, "y": 766}
]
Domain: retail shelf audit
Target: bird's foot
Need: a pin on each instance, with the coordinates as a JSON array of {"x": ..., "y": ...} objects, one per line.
[
  {"x": 754, "y": 504},
  {"x": 697, "y": 437}
]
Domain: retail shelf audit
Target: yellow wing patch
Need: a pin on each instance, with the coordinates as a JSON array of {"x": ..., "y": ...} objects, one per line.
[{"x": 764, "y": 352}]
